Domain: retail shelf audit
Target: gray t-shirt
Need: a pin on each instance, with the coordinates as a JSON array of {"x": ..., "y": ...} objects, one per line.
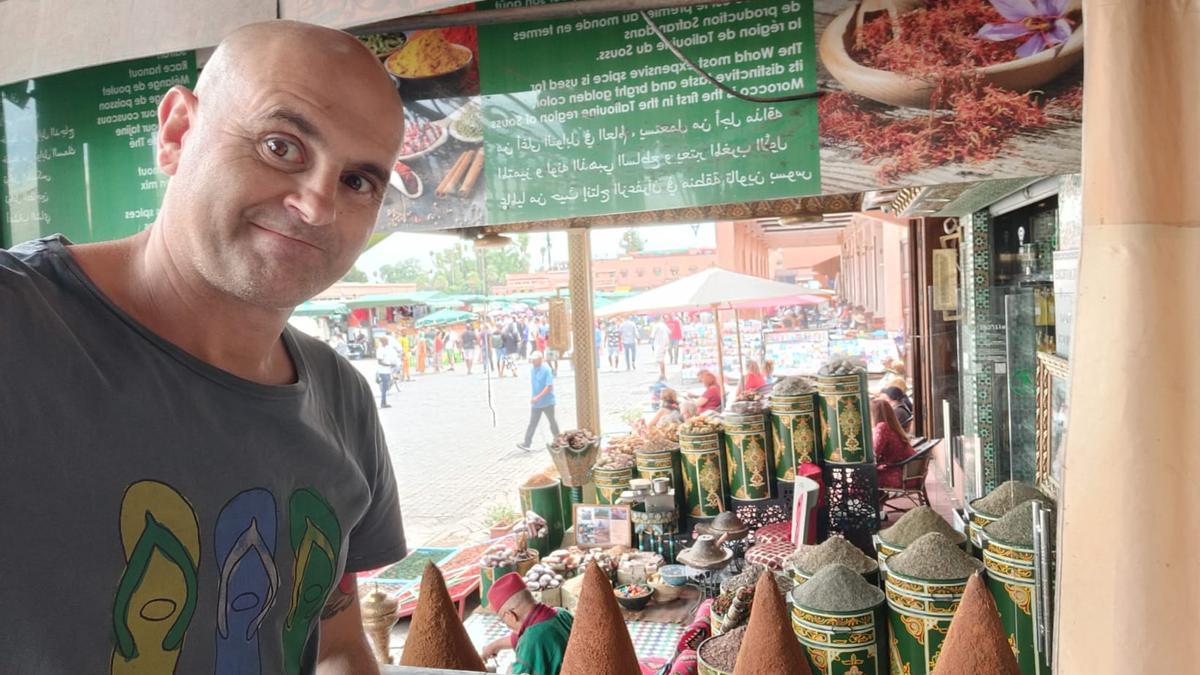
[{"x": 161, "y": 515}]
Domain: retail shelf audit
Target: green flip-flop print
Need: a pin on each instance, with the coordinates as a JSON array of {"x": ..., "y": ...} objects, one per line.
[{"x": 315, "y": 537}]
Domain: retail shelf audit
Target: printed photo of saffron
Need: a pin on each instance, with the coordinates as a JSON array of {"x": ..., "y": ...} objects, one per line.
[{"x": 925, "y": 92}]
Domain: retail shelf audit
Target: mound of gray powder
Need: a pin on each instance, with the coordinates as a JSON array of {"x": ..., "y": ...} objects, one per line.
[
  {"x": 1004, "y": 498},
  {"x": 834, "y": 550},
  {"x": 793, "y": 386},
  {"x": 837, "y": 588},
  {"x": 917, "y": 523},
  {"x": 934, "y": 556},
  {"x": 1015, "y": 528}
]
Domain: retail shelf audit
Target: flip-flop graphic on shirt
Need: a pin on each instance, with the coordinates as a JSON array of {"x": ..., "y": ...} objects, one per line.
[
  {"x": 316, "y": 537},
  {"x": 156, "y": 596},
  {"x": 244, "y": 544}
]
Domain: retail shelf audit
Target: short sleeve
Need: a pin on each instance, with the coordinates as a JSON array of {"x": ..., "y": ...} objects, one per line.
[{"x": 377, "y": 539}]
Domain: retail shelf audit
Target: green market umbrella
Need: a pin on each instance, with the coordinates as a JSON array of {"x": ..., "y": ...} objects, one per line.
[
  {"x": 444, "y": 317},
  {"x": 321, "y": 308}
]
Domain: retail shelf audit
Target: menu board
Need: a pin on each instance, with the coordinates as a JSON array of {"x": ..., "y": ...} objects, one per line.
[
  {"x": 593, "y": 115},
  {"x": 77, "y": 150}
]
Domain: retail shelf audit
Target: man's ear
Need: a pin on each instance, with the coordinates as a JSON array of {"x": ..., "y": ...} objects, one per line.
[{"x": 176, "y": 113}]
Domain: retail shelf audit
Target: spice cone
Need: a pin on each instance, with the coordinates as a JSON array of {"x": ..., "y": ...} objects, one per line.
[
  {"x": 599, "y": 643},
  {"x": 770, "y": 647},
  {"x": 436, "y": 637},
  {"x": 976, "y": 642}
]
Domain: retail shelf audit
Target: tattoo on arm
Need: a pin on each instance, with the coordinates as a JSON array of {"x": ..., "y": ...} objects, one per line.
[{"x": 340, "y": 598}]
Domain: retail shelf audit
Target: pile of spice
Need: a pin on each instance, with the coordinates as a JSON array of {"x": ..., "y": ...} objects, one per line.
[
  {"x": 976, "y": 641},
  {"x": 701, "y": 424},
  {"x": 769, "y": 645},
  {"x": 969, "y": 121},
  {"x": 610, "y": 459},
  {"x": 842, "y": 366},
  {"x": 792, "y": 386},
  {"x": 833, "y": 551},
  {"x": 1015, "y": 528},
  {"x": 837, "y": 588},
  {"x": 749, "y": 403},
  {"x": 576, "y": 439},
  {"x": 436, "y": 637},
  {"x": 599, "y": 643},
  {"x": 917, "y": 523},
  {"x": 721, "y": 652},
  {"x": 934, "y": 557},
  {"x": 1006, "y": 497}
]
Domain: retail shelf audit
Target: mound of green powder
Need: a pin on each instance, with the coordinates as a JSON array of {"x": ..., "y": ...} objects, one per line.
[
  {"x": 835, "y": 550},
  {"x": 1004, "y": 498},
  {"x": 934, "y": 556},
  {"x": 837, "y": 588},
  {"x": 917, "y": 523}
]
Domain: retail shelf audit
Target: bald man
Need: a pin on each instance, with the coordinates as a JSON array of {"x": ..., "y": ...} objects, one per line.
[{"x": 189, "y": 485}]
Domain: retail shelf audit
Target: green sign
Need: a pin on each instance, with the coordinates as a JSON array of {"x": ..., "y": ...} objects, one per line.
[
  {"x": 594, "y": 115},
  {"x": 77, "y": 150}
]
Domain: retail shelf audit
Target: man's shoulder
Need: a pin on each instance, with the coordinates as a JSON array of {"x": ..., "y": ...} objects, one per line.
[{"x": 26, "y": 260}]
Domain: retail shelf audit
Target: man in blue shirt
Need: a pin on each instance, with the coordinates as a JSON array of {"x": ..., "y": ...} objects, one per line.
[{"x": 542, "y": 401}]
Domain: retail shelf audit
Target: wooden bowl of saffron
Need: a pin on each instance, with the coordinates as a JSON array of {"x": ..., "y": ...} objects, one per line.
[{"x": 899, "y": 89}]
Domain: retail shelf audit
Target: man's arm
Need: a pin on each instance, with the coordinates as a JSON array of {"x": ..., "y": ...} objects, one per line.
[
  {"x": 543, "y": 392},
  {"x": 344, "y": 648}
]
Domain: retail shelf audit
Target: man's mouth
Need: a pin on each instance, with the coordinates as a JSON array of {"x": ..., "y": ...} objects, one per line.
[{"x": 280, "y": 234}]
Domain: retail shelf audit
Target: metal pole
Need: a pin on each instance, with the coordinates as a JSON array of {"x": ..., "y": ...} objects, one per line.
[
  {"x": 562, "y": 10},
  {"x": 737, "y": 324},
  {"x": 720, "y": 353}
]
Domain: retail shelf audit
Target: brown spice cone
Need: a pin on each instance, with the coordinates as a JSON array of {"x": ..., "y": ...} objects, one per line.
[
  {"x": 600, "y": 643},
  {"x": 436, "y": 637},
  {"x": 770, "y": 646},
  {"x": 977, "y": 642}
]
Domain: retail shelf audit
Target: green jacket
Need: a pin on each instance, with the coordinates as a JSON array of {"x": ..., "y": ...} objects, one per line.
[{"x": 541, "y": 647}]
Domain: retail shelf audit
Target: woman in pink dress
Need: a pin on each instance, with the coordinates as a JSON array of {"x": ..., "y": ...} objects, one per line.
[{"x": 890, "y": 442}]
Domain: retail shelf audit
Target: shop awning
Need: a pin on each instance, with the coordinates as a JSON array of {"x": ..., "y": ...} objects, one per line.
[
  {"x": 715, "y": 288},
  {"x": 321, "y": 308},
  {"x": 444, "y": 317},
  {"x": 396, "y": 299}
]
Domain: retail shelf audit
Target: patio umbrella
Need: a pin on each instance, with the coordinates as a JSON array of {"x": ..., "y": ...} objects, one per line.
[
  {"x": 715, "y": 289},
  {"x": 443, "y": 317},
  {"x": 321, "y": 308}
]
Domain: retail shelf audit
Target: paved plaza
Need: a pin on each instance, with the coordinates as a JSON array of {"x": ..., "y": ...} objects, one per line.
[{"x": 454, "y": 456}]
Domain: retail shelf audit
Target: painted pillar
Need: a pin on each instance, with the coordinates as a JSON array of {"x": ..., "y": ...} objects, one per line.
[
  {"x": 1129, "y": 553},
  {"x": 583, "y": 332}
]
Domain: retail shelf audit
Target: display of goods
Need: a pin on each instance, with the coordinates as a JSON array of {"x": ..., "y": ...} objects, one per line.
[
  {"x": 648, "y": 560},
  {"x": 427, "y": 54},
  {"x": 794, "y": 386},
  {"x": 601, "y": 558},
  {"x": 721, "y": 652},
  {"x": 837, "y": 588},
  {"x": 599, "y": 641},
  {"x": 1015, "y": 528},
  {"x": 498, "y": 556},
  {"x": 747, "y": 407},
  {"x": 769, "y": 645},
  {"x": 610, "y": 459},
  {"x": 539, "y": 480},
  {"x": 1006, "y": 497},
  {"x": 532, "y": 526},
  {"x": 739, "y": 608},
  {"x": 436, "y": 637},
  {"x": 576, "y": 439},
  {"x": 541, "y": 577},
  {"x": 701, "y": 424},
  {"x": 843, "y": 367},
  {"x": 976, "y": 641},
  {"x": 916, "y": 523},
  {"x": 747, "y": 577},
  {"x": 660, "y": 437},
  {"x": 934, "y": 556},
  {"x": 833, "y": 551},
  {"x": 563, "y": 561},
  {"x": 632, "y": 591}
]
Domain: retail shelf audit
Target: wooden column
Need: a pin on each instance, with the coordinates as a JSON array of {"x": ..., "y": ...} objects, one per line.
[
  {"x": 583, "y": 331},
  {"x": 1130, "y": 547}
]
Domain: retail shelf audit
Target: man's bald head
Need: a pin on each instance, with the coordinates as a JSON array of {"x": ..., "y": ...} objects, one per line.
[{"x": 280, "y": 159}]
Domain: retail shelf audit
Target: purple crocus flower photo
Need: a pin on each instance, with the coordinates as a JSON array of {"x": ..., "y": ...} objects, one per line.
[{"x": 1044, "y": 22}]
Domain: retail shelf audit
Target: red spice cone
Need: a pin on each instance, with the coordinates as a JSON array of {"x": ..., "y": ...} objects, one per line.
[
  {"x": 436, "y": 637},
  {"x": 600, "y": 643},
  {"x": 769, "y": 646},
  {"x": 977, "y": 642}
]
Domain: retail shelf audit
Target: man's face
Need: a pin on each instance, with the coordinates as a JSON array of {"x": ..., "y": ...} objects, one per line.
[{"x": 281, "y": 176}]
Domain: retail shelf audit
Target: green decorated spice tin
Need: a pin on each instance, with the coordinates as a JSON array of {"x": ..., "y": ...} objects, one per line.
[
  {"x": 845, "y": 419},
  {"x": 747, "y": 461},
  {"x": 703, "y": 487},
  {"x": 795, "y": 430}
]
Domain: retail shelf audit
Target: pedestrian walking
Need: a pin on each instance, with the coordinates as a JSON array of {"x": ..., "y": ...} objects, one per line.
[
  {"x": 676, "y": 329},
  {"x": 612, "y": 342},
  {"x": 470, "y": 340},
  {"x": 629, "y": 340},
  {"x": 542, "y": 401},
  {"x": 386, "y": 359},
  {"x": 660, "y": 340}
]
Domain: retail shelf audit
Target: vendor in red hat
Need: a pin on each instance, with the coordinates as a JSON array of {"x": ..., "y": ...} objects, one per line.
[{"x": 540, "y": 632}]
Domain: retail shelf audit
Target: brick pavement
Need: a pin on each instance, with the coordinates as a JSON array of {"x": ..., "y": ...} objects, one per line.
[{"x": 452, "y": 463}]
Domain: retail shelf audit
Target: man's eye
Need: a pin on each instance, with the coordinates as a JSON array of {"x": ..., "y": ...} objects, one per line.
[
  {"x": 284, "y": 149},
  {"x": 358, "y": 183}
]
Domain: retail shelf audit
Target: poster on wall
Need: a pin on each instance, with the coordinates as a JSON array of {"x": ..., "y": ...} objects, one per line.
[{"x": 77, "y": 150}]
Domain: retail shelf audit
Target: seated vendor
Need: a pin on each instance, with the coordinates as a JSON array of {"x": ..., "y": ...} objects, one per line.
[{"x": 540, "y": 632}]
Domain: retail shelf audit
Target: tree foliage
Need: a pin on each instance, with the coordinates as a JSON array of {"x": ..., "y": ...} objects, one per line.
[
  {"x": 631, "y": 242},
  {"x": 458, "y": 269},
  {"x": 355, "y": 275}
]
